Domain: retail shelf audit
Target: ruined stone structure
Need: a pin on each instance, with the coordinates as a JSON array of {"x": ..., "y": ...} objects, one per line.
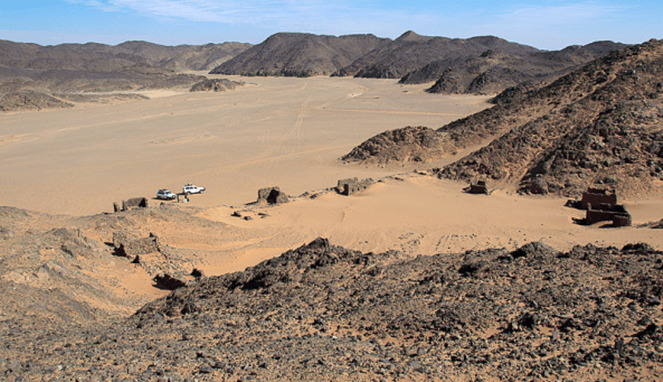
[
  {"x": 131, "y": 204},
  {"x": 478, "y": 187},
  {"x": 272, "y": 195},
  {"x": 597, "y": 196},
  {"x": 605, "y": 212},
  {"x": 351, "y": 185},
  {"x": 601, "y": 205}
]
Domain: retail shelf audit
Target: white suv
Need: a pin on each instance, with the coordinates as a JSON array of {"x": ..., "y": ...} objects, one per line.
[
  {"x": 165, "y": 194},
  {"x": 192, "y": 189}
]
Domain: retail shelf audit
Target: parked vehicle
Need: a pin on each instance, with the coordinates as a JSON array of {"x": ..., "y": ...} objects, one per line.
[
  {"x": 165, "y": 194},
  {"x": 192, "y": 189}
]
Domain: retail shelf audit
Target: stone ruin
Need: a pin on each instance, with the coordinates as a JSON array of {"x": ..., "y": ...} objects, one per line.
[
  {"x": 272, "y": 195},
  {"x": 478, "y": 187},
  {"x": 132, "y": 247},
  {"x": 601, "y": 205},
  {"x": 351, "y": 185},
  {"x": 597, "y": 196},
  {"x": 131, "y": 204}
]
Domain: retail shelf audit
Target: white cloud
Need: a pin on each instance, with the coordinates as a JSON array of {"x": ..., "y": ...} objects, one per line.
[{"x": 562, "y": 14}]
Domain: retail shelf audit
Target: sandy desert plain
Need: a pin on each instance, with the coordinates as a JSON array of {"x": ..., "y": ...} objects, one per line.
[{"x": 283, "y": 132}]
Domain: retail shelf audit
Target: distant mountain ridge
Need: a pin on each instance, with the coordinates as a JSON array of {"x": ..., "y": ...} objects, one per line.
[
  {"x": 300, "y": 54},
  {"x": 102, "y": 57},
  {"x": 34, "y": 77},
  {"x": 477, "y": 65}
]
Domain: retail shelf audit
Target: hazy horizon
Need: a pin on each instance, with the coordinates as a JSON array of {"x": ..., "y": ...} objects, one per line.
[{"x": 543, "y": 24}]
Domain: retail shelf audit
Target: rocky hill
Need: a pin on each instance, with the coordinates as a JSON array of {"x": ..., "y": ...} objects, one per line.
[
  {"x": 411, "y": 51},
  {"x": 600, "y": 124},
  {"x": 300, "y": 55},
  {"x": 324, "y": 312}
]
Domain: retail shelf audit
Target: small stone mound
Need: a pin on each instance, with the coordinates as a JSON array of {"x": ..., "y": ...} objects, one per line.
[{"x": 216, "y": 85}]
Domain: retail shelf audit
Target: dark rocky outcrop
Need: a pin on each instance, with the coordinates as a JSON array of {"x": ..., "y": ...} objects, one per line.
[
  {"x": 325, "y": 312},
  {"x": 412, "y": 143}
]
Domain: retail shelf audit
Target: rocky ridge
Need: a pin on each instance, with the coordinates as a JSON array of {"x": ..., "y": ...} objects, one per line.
[
  {"x": 325, "y": 312},
  {"x": 600, "y": 124}
]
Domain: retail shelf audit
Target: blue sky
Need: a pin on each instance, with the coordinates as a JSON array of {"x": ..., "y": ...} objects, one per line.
[{"x": 543, "y": 24}]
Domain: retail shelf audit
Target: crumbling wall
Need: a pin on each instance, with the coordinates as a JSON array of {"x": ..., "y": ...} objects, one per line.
[
  {"x": 349, "y": 186},
  {"x": 131, "y": 204}
]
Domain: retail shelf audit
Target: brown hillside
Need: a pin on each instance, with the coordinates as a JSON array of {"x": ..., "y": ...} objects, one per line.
[
  {"x": 599, "y": 124},
  {"x": 300, "y": 54}
]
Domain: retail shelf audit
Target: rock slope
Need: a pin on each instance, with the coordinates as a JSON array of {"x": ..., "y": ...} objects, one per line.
[
  {"x": 324, "y": 312},
  {"x": 600, "y": 124}
]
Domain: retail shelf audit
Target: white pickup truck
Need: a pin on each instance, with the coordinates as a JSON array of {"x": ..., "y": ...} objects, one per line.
[{"x": 192, "y": 189}]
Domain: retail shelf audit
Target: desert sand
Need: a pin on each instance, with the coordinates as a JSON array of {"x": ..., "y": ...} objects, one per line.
[
  {"x": 286, "y": 132},
  {"x": 273, "y": 131}
]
